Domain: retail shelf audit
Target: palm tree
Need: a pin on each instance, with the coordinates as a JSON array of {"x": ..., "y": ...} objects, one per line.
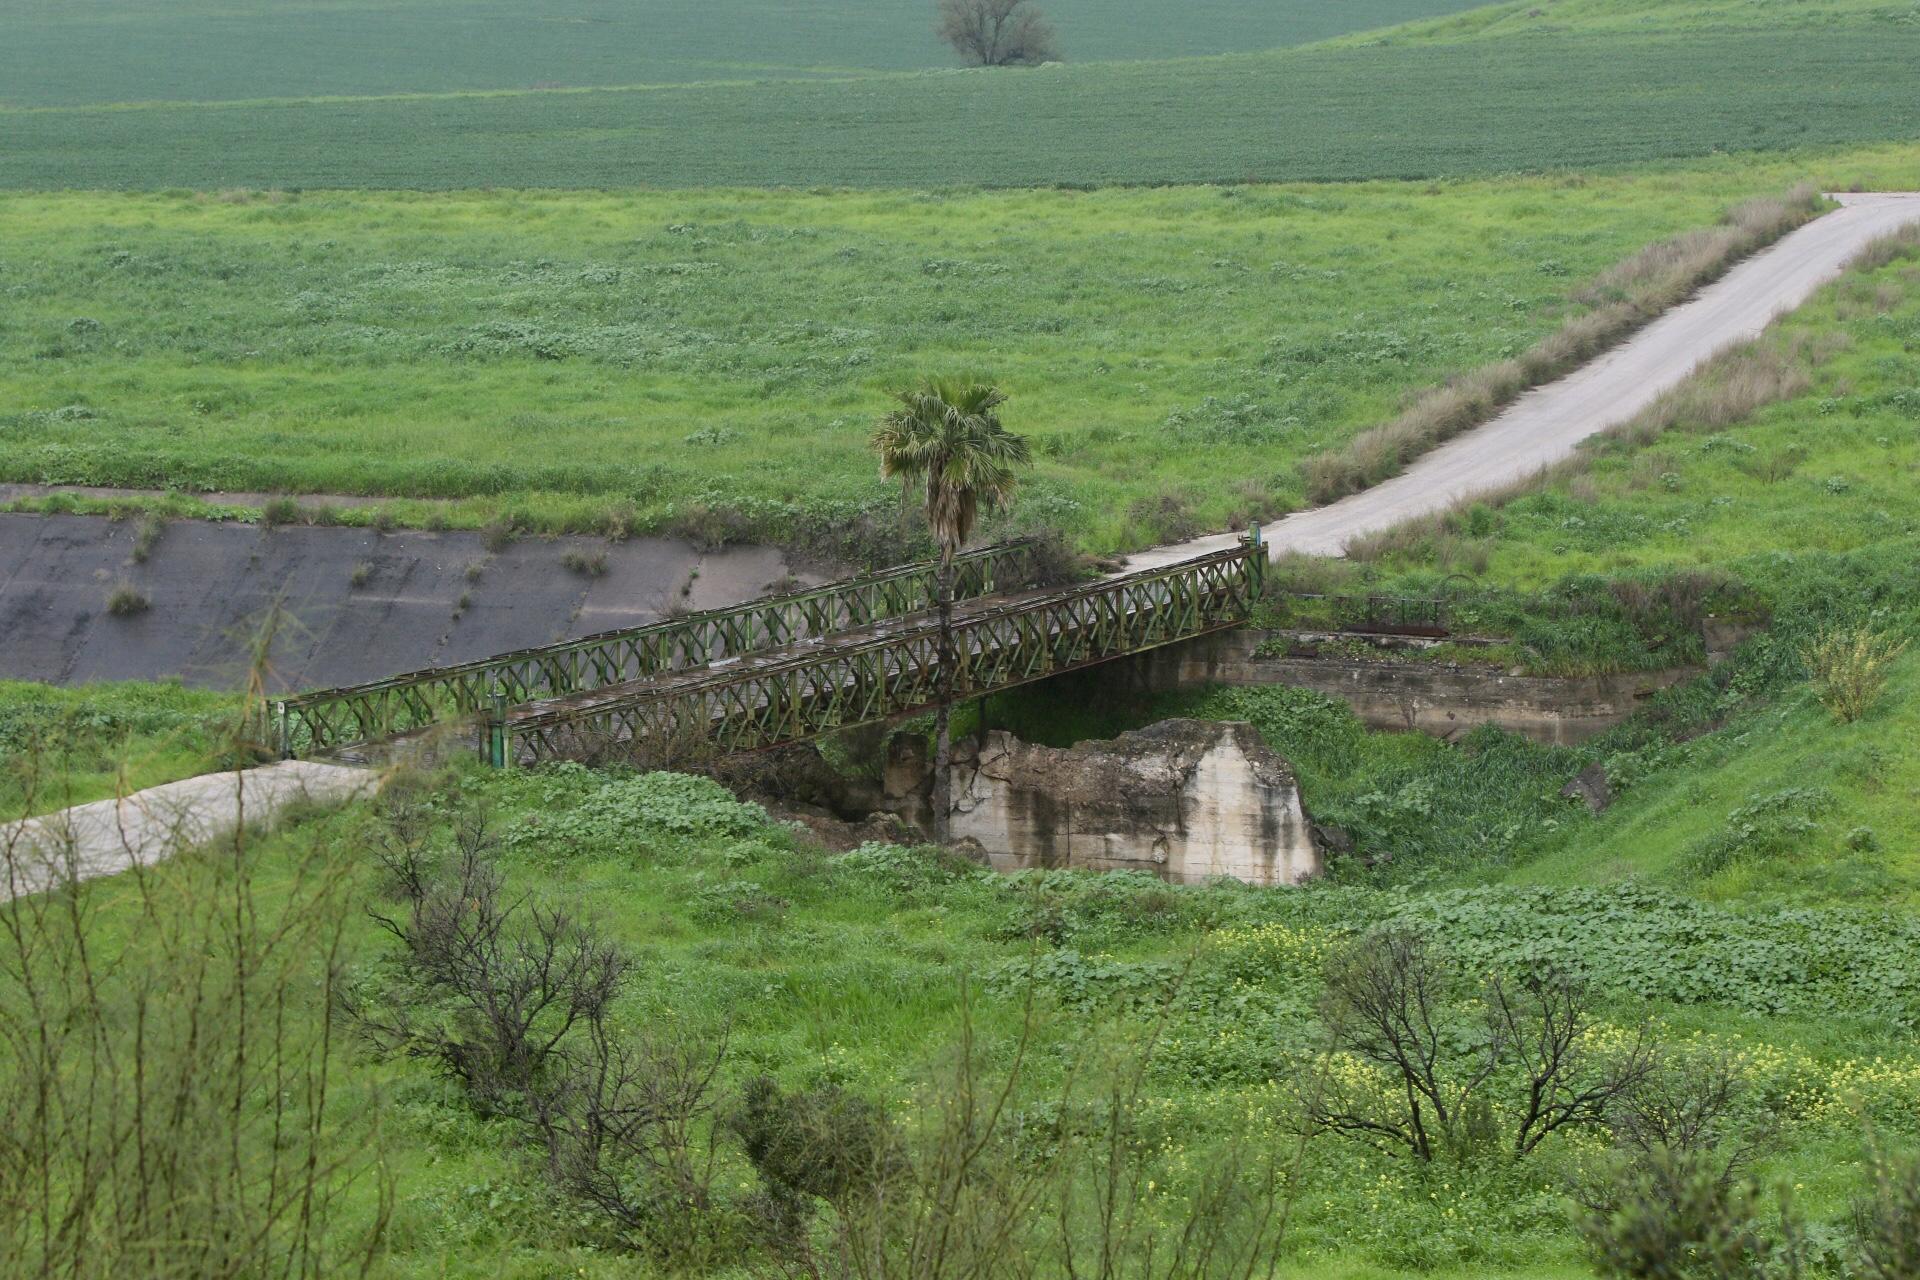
[{"x": 947, "y": 433}]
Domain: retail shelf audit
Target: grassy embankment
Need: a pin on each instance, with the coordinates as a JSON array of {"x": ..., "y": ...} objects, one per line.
[
  {"x": 61, "y": 747},
  {"x": 847, "y": 973}
]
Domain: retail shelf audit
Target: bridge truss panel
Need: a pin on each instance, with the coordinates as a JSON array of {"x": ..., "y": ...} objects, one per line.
[
  {"x": 786, "y": 700},
  {"x": 331, "y": 719}
]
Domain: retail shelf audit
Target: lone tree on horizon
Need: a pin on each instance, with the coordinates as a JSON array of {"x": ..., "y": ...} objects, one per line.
[
  {"x": 997, "y": 33},
  {"x": 946, "y": 432}
]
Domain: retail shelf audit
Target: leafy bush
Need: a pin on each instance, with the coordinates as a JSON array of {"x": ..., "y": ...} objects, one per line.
[
  {"x": 1766, "y": 826},
  {"x": 583, "y": 810},
  {"x": 1676, "y": 1218},
  {"x": 1849, "y": 669},
  {"x": 1887, "y": 1219},
  {"x": 904, "y": 872}
]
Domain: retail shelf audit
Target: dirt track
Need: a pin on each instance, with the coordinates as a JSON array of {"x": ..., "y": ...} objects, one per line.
[
  {"x": 110, "y": 836},
  {"x": 1545, "y": 425}
]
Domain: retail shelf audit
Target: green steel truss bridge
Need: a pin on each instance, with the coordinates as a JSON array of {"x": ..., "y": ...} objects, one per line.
[{"x": 781, "y": 669}]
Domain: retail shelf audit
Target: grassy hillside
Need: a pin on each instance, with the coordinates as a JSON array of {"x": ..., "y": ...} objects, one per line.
[
  {"x": 559, "y": 357},
  {"x": 61, "y": 747},
  {"x": 1556, "y": 18},
  {"x": 1810, "y": 499},
  {"x": 1391, "y": 111},
  {"x": 198, "y": 50},
  {"x": 1780, "y": 482},
  {"x": 1746, "y": 902},
  {"x": 846, "y": 976}
]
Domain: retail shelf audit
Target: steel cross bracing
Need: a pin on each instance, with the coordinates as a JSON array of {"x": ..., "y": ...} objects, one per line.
[
  {"x": 331, "y": 719},
  {"x": 884, "y": 671}
]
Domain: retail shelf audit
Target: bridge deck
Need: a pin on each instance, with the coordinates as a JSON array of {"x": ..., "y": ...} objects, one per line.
[
  {"x": 885, "y": 632},
  {"x": 880, "y": 670}
]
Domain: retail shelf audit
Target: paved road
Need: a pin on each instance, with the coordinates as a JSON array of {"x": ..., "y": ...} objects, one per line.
[
  {"x": 109, "y": 836},
  {"x": 1544, "y": 426}
]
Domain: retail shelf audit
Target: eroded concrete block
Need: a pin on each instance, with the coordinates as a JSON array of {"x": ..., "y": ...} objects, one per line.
[{"x": 1187, "y": 800}]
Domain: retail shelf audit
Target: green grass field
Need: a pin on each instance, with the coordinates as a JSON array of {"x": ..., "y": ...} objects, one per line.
[
  {"x": 1558, "y": 18},
  {"x": 848, "y": 973},
  {"x": 146, "y": 50},
  {"x": 1812, "y": 501},
  {"x": 61, "y": 747},
  {"x": 560, "y": 355},
  {"x": 580, "y": 359},
  {"x": 1463, "y": 108}
]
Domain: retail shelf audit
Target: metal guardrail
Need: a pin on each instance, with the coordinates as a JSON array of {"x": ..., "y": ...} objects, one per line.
[
  {"x": 791, "y": 699},
  {"x": 330, "y": 719}
]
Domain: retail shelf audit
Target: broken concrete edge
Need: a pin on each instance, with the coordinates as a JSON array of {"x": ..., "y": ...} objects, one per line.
[
  {"x": 1442, "y": 700},
  {"x": 106, "y": 837},
  {"x": 1189, "y": 801}
]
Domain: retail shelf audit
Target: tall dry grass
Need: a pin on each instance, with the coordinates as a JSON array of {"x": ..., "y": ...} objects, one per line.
[{"x": 1622, "y": 299}]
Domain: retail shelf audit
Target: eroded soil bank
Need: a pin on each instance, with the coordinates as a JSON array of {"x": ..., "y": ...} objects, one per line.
[{"x": 356, "y": 604}]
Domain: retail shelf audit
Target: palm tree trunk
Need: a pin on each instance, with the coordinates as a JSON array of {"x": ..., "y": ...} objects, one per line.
[{"x": 942, "y": 798}]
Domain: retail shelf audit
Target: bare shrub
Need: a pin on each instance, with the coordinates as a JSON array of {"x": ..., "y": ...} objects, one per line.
[
  {"x": 512, "y": 999},
  {"x": 996, "y": 33},
  {"x": 167, "y": 1086},
  {"x": 986, "y": 1188},
  {"x": 1392, "y": 1003},
  {"x": 1622, "y": 298},
  {"x": 1688, "y": 1108},
  {"x": 1886, "y": 1220},
  {"x": 1675, "y": 1216},
  {"x": 487, "y": 986},
  {"x": 628, "y": 1129},
  {"x": 1849, "y": 668}
]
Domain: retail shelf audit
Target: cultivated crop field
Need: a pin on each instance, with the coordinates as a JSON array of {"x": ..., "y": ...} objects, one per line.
[
  {"x": 571, "y": 359},
  {"x": 1387, "y": 111},
  {"x": 199, "y": 50}
]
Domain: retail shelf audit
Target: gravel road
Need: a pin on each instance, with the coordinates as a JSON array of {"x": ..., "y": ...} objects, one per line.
[{"x": 1545, "y": 425}]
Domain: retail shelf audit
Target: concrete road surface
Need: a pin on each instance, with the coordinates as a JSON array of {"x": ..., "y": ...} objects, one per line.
[
  {"x": 109, "y": 836},
  {"x": 1544, "y": 426}
]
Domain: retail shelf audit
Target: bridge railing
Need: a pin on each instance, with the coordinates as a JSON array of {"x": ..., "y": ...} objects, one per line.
[
  {"x": 773, "y": 703},
  {"x": 330, "y": 719}
]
